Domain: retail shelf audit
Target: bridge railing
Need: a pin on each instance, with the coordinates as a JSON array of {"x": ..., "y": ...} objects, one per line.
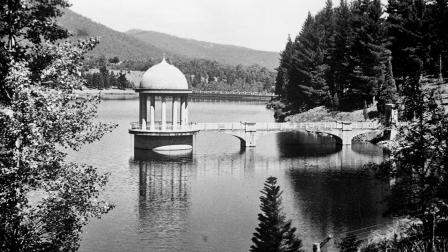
[
  {"x": 218, "y": 126},
  {"x": 233, "y": 93},
  {"x": 273, "y": 126},
  {"x": 158, "y": 126},
  {"x": 365, "y": 125}
]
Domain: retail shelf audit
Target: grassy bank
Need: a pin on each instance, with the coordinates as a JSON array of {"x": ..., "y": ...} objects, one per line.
[{"x": 321, "y": 114}]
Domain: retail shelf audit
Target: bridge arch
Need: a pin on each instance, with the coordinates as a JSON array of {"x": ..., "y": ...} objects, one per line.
[
  {"x": 249, "y": 132},
  {"x": 235, "y": 134},
  {"x": 331, "y": 134}
]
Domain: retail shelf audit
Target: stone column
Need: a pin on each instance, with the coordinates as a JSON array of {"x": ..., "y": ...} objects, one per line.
[
  {"x": 186, "y": 110},
  {"x": 143, "y": 117},
  {"x": 140, "y": 109},
  {"x": 163, "y": 112},
  {"x": 145, "y": 111},
  {"x": 182, "y": 112},
  {"x": 174, "y": 109},
  {"x": 153, "y": 112}
]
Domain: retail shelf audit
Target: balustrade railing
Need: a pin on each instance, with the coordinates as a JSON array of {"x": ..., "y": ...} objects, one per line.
[
  {"x": 258, "y": 126},
  {"x": 233, "y": 93},
  {"x": 158, "y": 126}
]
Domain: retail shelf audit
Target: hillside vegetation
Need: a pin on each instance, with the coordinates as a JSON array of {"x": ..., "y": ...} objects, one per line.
[
  {"x": 142, "y": 45},
  {"x": 227, "y": 54},
  {"x": 112, "y": 43},
  {"x": 349, "y": 56}
]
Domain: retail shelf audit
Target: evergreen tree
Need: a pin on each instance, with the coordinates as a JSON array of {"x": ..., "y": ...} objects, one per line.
[
  {"x": 387, "y": 91},
  {"x": 122, "y": 81},
  {"x": 340, "y": 51},
  {"x": 326, "y": 22},
  {"x": 368, "y": 51},
  {"x": 437, "y": 36},
  {"x": 282, "y": 79},
  {"x": 307, "y": 76},
  {"x": 405, "y": 23},
  {"x": 274, "y": 233}
]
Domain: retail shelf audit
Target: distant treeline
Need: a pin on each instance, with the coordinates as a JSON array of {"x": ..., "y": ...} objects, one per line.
[
  {"x": 105, "y": 79},
  {"x": 204, "y": 74},
  {"x": 345, "y": 56}
]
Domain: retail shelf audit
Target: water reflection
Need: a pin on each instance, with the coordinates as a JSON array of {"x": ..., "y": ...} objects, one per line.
[
  {"x": 164, "y": 202},
  {"x": 149, "y": 155},
  {"x": 203, "y": 202}
]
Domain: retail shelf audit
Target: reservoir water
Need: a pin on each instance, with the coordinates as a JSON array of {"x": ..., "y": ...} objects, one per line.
[{"x": 209, "y": 201}]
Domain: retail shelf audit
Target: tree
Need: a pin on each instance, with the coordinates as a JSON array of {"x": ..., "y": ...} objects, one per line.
[
  {"x": 405, "y": 28},
  {"x": 340, "y": 51},
  {"x": 114, "y": 60},
  {"x": 122, "y": 81},
  {"x": 307, "y": 77},
  {"x": 23, "y": 26},
  {"x": 418, "y": 166},
  {"x": 283, "y": 71},
  {"x": 41, "y": 117},
  {"x": 274, "y": 233}
]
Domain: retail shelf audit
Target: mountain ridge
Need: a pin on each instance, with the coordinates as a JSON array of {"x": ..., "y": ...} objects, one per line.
[{"x": 137, "y": 44}]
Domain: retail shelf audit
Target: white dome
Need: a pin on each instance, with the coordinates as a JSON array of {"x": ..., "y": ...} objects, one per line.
[{"x": 164, "y": 76}]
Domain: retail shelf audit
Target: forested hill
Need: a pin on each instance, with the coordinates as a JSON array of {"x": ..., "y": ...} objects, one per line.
[
  {"x": 227, "y": 54},
  {"x": 113, "y": 43},
  {"x": 141, "y": 45}
]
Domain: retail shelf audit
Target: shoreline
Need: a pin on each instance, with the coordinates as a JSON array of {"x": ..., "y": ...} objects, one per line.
[{"x": 130, "y": 94}]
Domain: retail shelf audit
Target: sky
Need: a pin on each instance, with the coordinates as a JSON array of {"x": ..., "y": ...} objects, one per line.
[{"x": 257, "y": 24}]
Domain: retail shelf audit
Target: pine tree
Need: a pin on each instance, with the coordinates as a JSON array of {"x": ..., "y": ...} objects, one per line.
[
  {"x": 387, "y": 92},
  {"x": 274, "y": 233},
  {"x": 308, "y": 86},
  {"x": 437, "y": 36},
  {"x": 405, "y": 24},
  {"x": 340, "y": 51},
  {"x": 327, "y": 20},
  {"x": 122, "y": 81},
  {"x": 282, "y": 79}
]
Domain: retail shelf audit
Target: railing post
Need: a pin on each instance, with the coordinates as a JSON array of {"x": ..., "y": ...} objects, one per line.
[{"x": 316, "y": 247}]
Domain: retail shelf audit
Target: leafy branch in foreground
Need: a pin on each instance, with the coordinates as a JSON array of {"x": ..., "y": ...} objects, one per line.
[
  {"x": 418, "y": 172},
  {"x": 45, "y": 201}
]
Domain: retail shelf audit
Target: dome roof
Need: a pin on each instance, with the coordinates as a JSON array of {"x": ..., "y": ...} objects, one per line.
[{"x": 164, "y": 76}]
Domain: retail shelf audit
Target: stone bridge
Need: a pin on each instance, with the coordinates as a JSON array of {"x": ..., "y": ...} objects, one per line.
[{"x": 249, "y": 132}]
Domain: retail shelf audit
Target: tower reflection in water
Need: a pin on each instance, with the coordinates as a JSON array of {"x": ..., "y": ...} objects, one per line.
[
  {"x": 164, "y": 196},
  {"x": 185, "y": 202}
]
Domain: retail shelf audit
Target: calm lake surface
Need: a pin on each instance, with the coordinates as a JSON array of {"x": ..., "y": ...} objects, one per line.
[{"x": 209, "y": 201}]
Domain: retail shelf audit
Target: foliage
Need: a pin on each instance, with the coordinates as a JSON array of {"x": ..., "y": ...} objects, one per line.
[
  {"x": 357, "y": 51},
  {"x": 340, "y": 58},
  {"x": 143, "y": 45},
  {"x": 23, "y": 26},
  {"x": 418, "y": 167},
  {"x": 350, "y": 243},
  {"x": 205, "y": 74},
  {"x": 107, "y": 79},
  {"x": 114, "y": 60},
  {"x": 44, "y": 200},
  {"x": 274, "y": 233},
  {"x": 404, "y": 235}
]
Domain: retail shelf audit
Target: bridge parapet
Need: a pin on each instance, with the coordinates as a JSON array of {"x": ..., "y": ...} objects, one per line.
[{"x": 248, "y": 132}]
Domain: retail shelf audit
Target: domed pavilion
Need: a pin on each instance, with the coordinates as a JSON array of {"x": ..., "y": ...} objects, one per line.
[{"x": 167, "y": 85}]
